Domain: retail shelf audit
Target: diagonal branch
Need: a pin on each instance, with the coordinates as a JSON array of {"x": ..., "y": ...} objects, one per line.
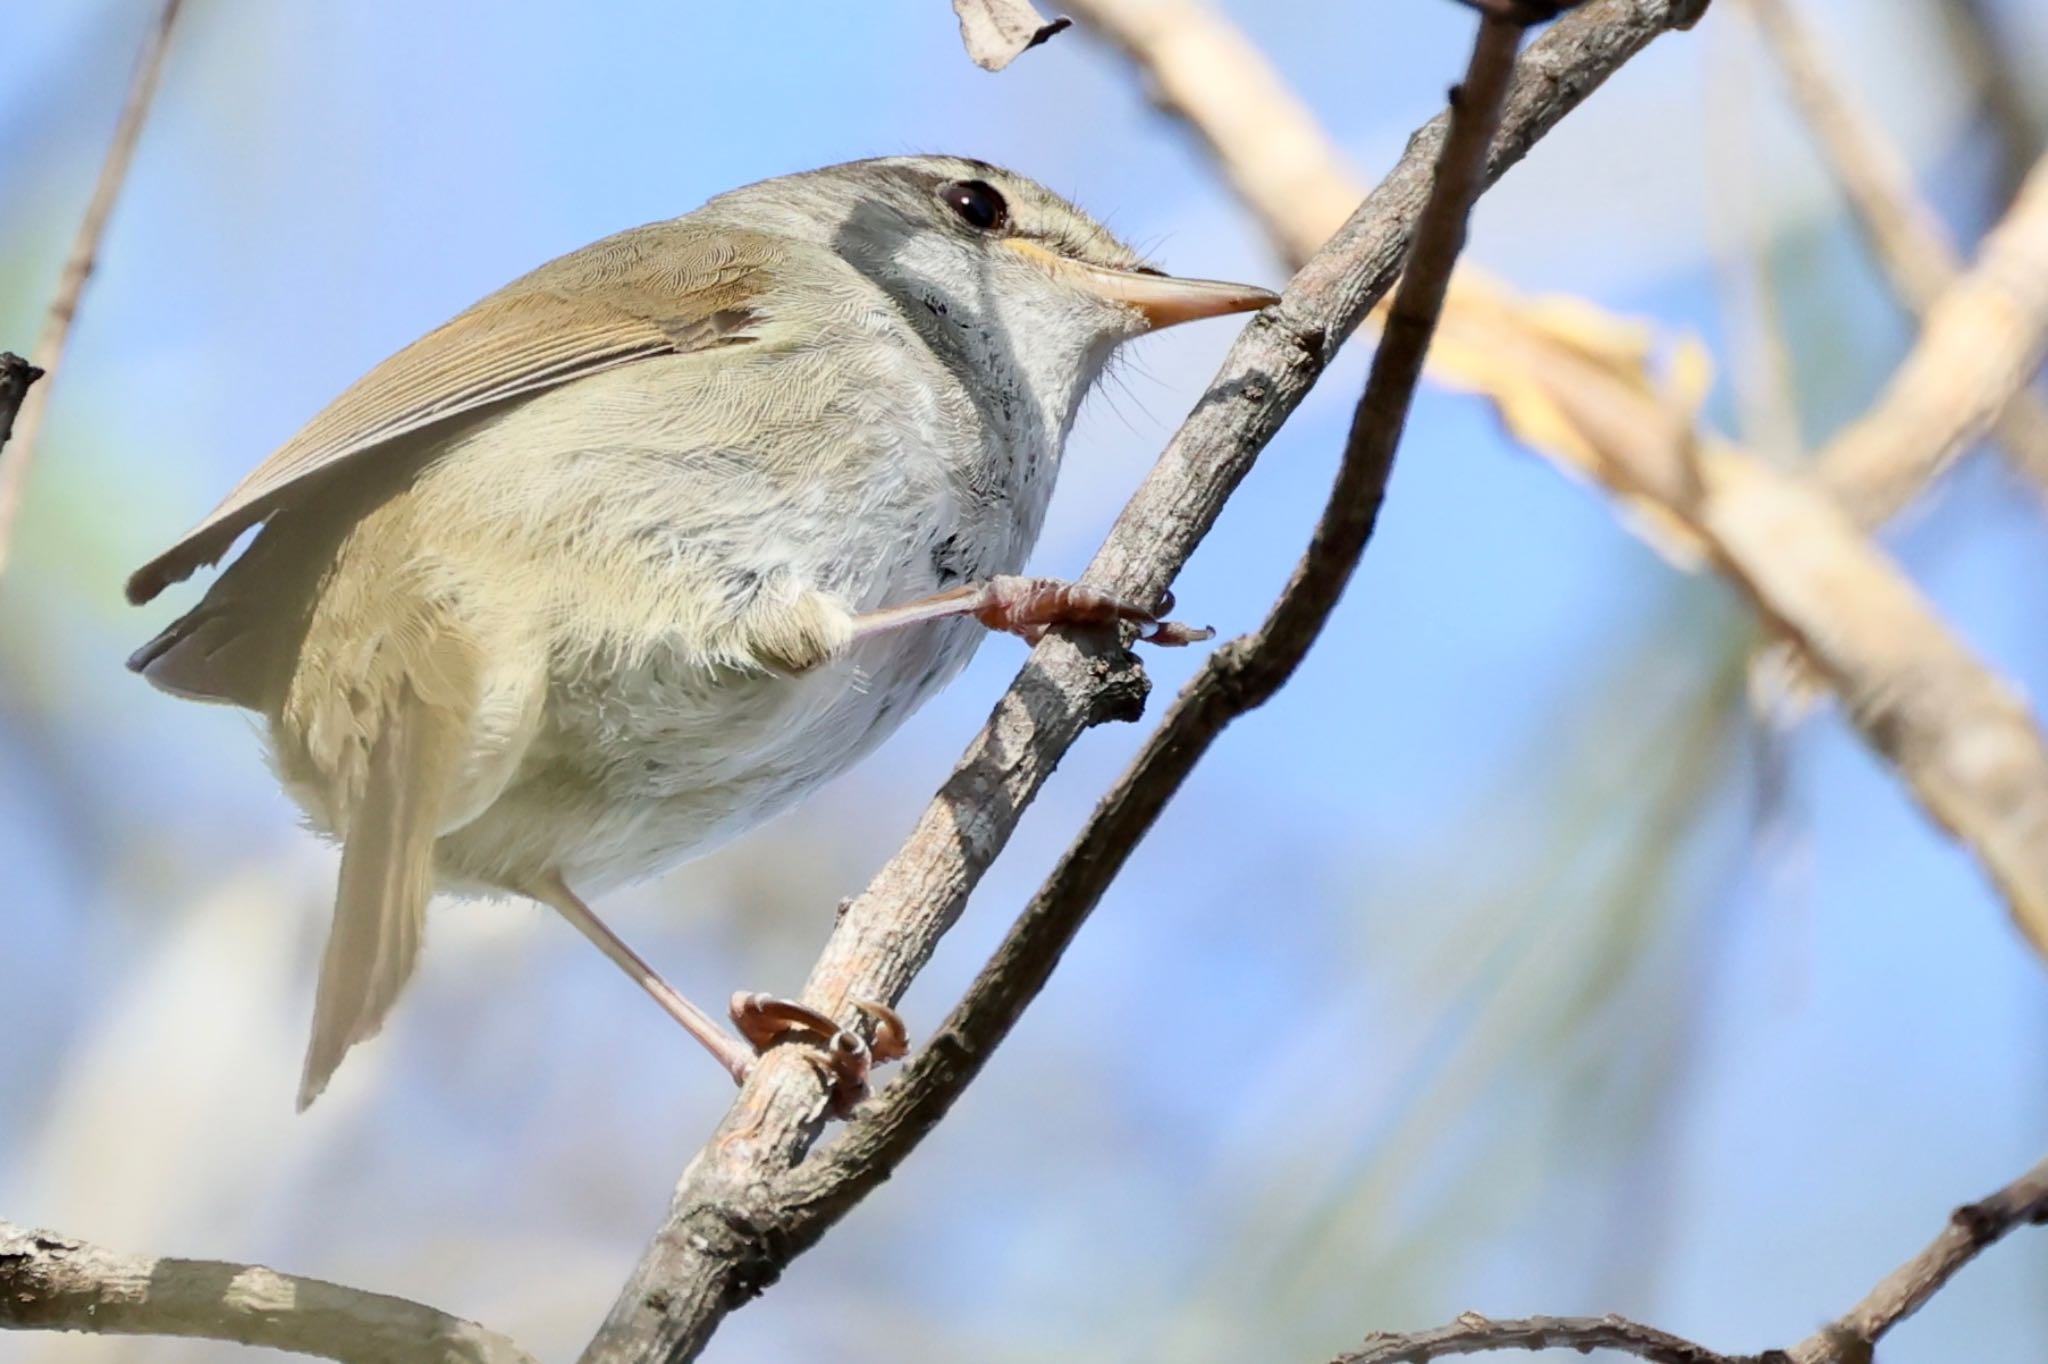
[
  {"x": 1971, "y": 1230},
  {"x": 1983, "y": 339},
  {"x": 1961, "y": 736},
  {"x": 722, "y": 1241},
  {"x": 54, "y": 1283},
  {"x": 78, "y": 267},
  {"x": 1582, "y": 394},
  {"x": 1911, "y": 245},
  {"x": 1236, "y": 678}
]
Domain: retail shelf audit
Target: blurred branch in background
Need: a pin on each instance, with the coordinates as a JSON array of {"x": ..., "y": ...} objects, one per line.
[
  {"x": 54, "y": 1283},
  {"x": 1574, "y": 382},
  {"x": 1910, "y": 245},
  {"x": 1577, "y": 386},
  {"x": 1851, "y": 1339},
  {"x": 1196, "y": 65},
  {"x": 1985, "y": 56},
  {"x": 1237, "y": 677},
  {"x": 1983, "y": 338},
  {"x": 738, "y": 1217},
  {"x": 78, "y": 267}
]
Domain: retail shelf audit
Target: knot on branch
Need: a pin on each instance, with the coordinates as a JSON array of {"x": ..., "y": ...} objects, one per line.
[
  {"x": 1118, "y": 686},
  {"x": 737, "y": 1233}
]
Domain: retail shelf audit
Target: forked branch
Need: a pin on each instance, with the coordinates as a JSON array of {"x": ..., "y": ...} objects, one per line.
[{"x": 735, "y": 1220}]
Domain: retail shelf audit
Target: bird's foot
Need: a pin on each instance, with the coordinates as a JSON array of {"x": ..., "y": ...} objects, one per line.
[
  {"x": 842, "y": 1057},
  {"x": 1028, "y": 607}
]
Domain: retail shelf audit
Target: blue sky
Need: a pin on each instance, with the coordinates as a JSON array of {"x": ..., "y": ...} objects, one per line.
[{"x": 1377, "y": 1028}]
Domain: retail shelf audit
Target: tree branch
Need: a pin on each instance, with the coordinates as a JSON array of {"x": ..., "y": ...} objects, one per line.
[
  {"x": 1960, "y": 735},
  {"x": 54, "y": 1283},
  {"x": 1237, "y": 677},
  {"x": 1983, "y": 339},
  {"x": 1588, "y": 402},
  {"x": 1472, "y": 1334},
  {"x": 1850, "y": 1339},
  {"x": 78, "y": 267},
  {"x": 727, "y": 1235},
  {"x": 1971, "y": 1230},
  {"x": 1910, "y": 244}
]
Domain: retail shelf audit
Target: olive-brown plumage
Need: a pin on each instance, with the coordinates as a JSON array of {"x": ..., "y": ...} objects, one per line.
[{"x": 638, "y": 550}]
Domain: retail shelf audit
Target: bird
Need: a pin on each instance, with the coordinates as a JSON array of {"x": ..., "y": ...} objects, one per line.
[{"x": 639, "y": 550}]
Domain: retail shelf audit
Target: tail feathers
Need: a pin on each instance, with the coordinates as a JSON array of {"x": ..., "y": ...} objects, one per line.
[
  {"x": 210, "y": 653},
  {"x": 387, "y": 877}
]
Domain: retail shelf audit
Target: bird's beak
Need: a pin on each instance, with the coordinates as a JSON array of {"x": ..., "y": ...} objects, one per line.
[{"x": 1161, "y": 300}]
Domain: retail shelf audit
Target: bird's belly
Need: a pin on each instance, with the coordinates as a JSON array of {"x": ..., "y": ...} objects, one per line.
[
  {"x": 649, "y": 749},
  {"x": 663, "y": 759}
]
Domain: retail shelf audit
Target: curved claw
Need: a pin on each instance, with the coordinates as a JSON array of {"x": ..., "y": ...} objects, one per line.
[
  {"x": 1171, "y": 634},
  {"x": 892, "y": 1036},
  {"x": 843, "y": 1060}
]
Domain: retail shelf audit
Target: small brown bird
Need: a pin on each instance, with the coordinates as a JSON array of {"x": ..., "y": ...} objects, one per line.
[{"x": 645, "y": 546}]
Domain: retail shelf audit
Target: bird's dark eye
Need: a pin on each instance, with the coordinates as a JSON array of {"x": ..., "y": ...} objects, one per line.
[{"x": 978, "y": 204}]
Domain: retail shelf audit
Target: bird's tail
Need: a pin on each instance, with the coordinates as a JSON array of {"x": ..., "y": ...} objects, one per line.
[{"x": 387, "y": 877}]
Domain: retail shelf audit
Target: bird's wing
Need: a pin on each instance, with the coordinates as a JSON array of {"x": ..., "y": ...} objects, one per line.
[{"x": 665, "y": 289}]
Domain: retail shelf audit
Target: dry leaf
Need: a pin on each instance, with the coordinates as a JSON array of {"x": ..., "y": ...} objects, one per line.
[{"x": 995, "y": 31}]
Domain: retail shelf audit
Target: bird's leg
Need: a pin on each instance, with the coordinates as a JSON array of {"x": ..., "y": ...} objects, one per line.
[
  {"x": 763, "y": 1020},
  {"x": 1028, "y": 607}
]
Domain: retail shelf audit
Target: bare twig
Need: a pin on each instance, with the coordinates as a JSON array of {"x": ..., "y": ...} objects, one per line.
[
  {"x": 727, "y": 1235},
  {"x": 1908, "y": 240},
  {"x": 1970, "y": 1231},
  {"x": 1984, "y": 339},
  {"x": 1236, "y": 678},
  {"x": 1472, "y": 1334},
  {"x": 78, "y": 266},
  {"x": 1597, "y": 411},
  {"x": 54, "y": 1283},
  {"x": 1847, "y": 1340}
]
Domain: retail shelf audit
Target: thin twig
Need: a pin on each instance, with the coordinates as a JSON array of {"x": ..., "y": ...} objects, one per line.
[
  {"x": 1971, "y": 1230},
  {"x": 1847, "y": 1340},
  {"x": 726, "y": 1235},
  {"x": 55, "y": 1283},
  {"x": 1958, "y": 733},
  {"x": 1235, "y": 679},
  {"x": 1472, "y": 1334},
  {"x": 78, "y": 267},
  {"x": 1908, "y": 240}
]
